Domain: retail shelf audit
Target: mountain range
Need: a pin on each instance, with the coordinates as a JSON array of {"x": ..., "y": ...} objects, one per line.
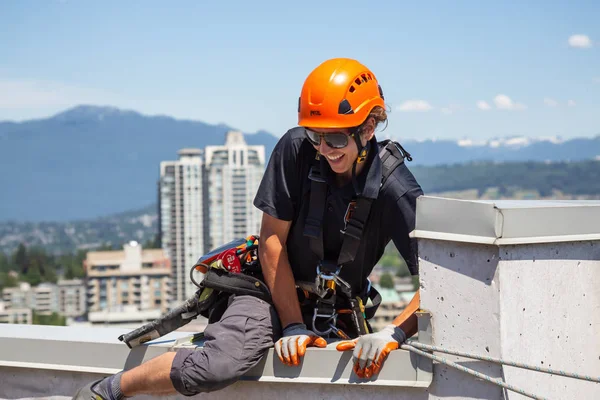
[{"x": 91, "y": 161}]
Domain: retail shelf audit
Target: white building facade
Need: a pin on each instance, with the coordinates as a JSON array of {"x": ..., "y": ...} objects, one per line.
[
  {"x": 14, "y": 315},
  {"x": 72, "y": 298},
  {"x": 206, "y": 201},
  {"x": 43, "y": 298},
  {"x": 181, "y": 218},
  {"x": 233, "y": 173},
  {"x": 127, "y": 287}
]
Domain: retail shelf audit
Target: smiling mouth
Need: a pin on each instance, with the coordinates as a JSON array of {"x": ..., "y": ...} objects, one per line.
[{"x": 334, "y": 158}]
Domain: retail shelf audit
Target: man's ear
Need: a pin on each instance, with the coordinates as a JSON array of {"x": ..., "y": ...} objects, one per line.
[{"x": 368, "y": 130}]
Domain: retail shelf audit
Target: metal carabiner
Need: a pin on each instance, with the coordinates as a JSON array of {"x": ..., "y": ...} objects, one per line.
[
  {"x": 329, "y": 276},
  {"x": 330, "y": 319}
]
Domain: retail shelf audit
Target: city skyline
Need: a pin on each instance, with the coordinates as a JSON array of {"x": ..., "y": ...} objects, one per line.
[{"x": 448, "y": 71}]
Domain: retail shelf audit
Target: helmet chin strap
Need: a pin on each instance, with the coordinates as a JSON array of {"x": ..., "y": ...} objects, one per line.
[{"x": 363, "y": 151}]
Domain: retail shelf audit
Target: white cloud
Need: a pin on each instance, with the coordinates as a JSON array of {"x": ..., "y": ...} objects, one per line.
[
  {"x": 504, "y": 102},
  {"x": 25, "y": 94},
  {"x": 415, "y": 105},
  {"x": 571, "y": 103},
  {"x": 580, "y": 41},
  {"x": 550, "y": 102},
  {"x": 483, "y": 105}
]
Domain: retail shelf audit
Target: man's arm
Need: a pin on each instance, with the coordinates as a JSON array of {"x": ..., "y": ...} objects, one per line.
[
  {"x": 276, "y": 268},
  {"x": 407, "y": 320}
]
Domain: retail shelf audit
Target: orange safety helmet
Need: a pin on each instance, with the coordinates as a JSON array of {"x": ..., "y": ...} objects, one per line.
[{"x": 339, "y": 93}]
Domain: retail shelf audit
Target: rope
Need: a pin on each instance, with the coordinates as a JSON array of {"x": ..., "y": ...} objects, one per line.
[
  {"x": 472, "y": 372},
  {"x": 500, "y": 361}
]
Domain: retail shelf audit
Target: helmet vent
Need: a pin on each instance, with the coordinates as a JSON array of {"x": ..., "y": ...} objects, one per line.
[
  {"x": 345, "y": 107},
  {"x": 364, "y": 78}
]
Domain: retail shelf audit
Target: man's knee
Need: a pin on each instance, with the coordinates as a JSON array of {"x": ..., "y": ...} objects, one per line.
[
  {"x": 232, "y": 346},
  {"x": 194, "y": 371}
]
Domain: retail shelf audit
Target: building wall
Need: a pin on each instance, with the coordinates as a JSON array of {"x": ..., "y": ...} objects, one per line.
[
  {"x": 42, "y": 298},
  {"x": 45, "y": 298},
  {"x": 14, "y": 315},
  {"x": 16, "y": 297},
  {"x": 123, "y": 282},
  {"x": 71, "y": 297},
  {"x": 233, "y": 173},
  {"x": 533, "y": 303},
  {"x": 182, "y": 217},
  {"x": 550, "y": 316}
]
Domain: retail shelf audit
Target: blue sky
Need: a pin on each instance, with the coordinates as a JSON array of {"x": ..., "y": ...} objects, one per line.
[{"x": 441, "y": 64}]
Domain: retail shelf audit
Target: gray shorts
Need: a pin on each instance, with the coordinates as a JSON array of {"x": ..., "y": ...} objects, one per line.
[{"x": 233, "y": 345}]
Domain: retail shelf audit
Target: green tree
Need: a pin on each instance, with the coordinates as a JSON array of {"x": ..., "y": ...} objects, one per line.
[
  {"x": 390, "y": 259},
  {"x": 33, "y": 276},
  {"x": 52, "y": 319},
  {"x": 402, "y": 271},
  {"x": 386, "y": 281},
  {"x": 7, "y": 280},
  {"x": 4, "y": 262},
  {"x": 153, "y": 243},
  {"x": 72, "y": 264},
  {"x": 20, "y": 258},
  {"x": 415, "y": 282}
]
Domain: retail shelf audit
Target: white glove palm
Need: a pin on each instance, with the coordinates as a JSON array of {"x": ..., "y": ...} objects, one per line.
[
  {"x": 371, "y": 350},
  {"x": 294, "y": 342}
]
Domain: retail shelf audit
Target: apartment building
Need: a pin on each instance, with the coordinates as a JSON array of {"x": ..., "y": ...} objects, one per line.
[
  {"x": 43, "y": 298},
  {"x": 127, "y": 286},
  {"x": 232, "y": 174},
  {"x": 71, "y": 297},
  {"x": 181, "y": 218},
  {"x": 14, "y": 315},
  {"x": 206, "y": 201}
]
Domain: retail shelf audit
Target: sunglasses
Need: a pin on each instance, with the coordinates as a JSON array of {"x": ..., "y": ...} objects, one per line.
[{"x": 335, "y": 140}]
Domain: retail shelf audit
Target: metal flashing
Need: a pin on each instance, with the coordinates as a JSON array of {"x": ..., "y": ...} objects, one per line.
[{"x": 506, "y": 222}]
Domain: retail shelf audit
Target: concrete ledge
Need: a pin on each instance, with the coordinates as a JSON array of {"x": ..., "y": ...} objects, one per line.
[
  {"x": 506, "y": 222},
  {"x": 95, "y": 350}
]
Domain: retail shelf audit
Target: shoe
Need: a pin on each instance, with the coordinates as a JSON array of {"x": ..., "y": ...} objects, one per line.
[{"x": 87, "y": 393}]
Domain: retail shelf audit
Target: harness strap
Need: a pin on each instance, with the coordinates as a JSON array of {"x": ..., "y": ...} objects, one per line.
[
  {"x": 316, "y": 209},
  {"x": 392, "y": 155},
  {"x": 239, "y": 284}
]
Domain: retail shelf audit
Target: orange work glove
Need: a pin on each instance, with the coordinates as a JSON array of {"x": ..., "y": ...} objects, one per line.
[
  {"x": 296, "y": 338},
  {"x": 371, "y": 350}
]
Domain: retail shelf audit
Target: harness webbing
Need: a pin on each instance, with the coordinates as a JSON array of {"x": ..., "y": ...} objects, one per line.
[{"x": 391, "y": 155}]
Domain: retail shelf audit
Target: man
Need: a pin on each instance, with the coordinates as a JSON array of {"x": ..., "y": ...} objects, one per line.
[{"x": 326, "y": 214}]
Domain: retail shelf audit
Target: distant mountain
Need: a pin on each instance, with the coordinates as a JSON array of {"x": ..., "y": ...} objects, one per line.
[
  {"x": 92, "y": 161},
  {"x": 552, "y": 149}
]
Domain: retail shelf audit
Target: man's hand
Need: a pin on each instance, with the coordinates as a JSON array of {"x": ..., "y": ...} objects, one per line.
[
  {"x": 296, "y": 338},
  {"x": 371, "y": 350}
]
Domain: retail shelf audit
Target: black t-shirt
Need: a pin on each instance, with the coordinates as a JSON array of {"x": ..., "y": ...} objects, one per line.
[{"x": 284, "y": 193}]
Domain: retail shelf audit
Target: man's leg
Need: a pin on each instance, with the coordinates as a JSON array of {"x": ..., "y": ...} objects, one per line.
[
  {"x": 232, "y": 346},
  {"x": 153, "y": 376}
]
